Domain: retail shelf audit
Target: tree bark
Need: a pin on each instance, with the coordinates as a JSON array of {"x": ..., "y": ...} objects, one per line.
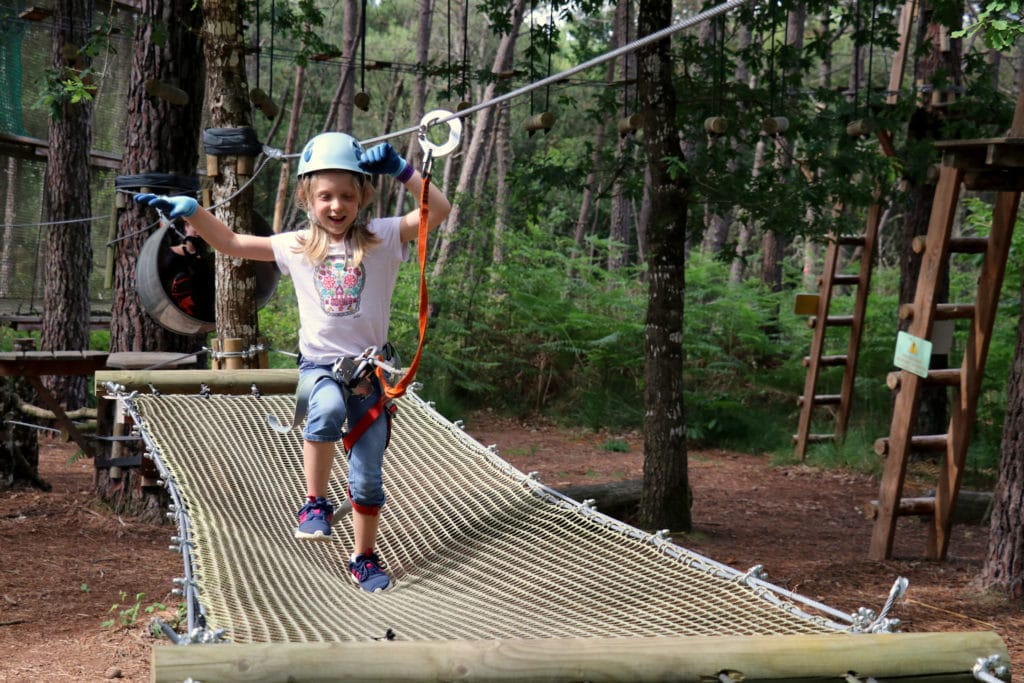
[
  {"x": 291, "y": 140},
  {"x": 1004, "y": 561},
  {"x": 621, "y": 225},
  {"x": 479, "y": 141},
  {"x": 19, "y": 445},
  {"x": 67, "y": 197},
  {"x": 228, "y": 105},
  {"x": 502, "y": 208},
  {"x": 665, "y": 502},
  {"x": 339, "y": 117},
  {"x": 6, "y": 246},
  {"x": 160, "y": 137}
]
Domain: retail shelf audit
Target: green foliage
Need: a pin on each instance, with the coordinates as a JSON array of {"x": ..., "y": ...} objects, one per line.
[
  {"x": 736, "y": 343},
  {"x": 522, "y": 336},
  {"x": 999, "y": 22},
  {"x": 279, "y": 322},
  {"x": 77, "y": 84},
  {"x": 126, "y": 612}
]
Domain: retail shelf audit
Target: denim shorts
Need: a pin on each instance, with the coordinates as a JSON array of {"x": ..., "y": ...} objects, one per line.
[{"x": 329, "y": 406}]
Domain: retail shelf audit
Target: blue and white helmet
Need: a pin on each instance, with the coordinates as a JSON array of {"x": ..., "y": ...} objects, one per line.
[{"x": 331, "y": 152}]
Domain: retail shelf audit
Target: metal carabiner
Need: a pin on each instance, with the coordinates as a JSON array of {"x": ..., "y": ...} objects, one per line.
[{"x": 431, "y": 118}]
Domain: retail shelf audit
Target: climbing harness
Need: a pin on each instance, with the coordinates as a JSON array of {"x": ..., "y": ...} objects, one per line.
[{"x": 352, "y": 372}]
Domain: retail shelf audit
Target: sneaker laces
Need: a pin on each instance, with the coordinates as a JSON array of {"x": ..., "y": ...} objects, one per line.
[
  {"x": 319, "y": 507},
  {"x": 365, "y": 564}
]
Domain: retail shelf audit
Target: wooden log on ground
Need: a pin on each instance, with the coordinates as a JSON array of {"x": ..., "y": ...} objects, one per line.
[
  {"x": 274, "y": 381},
  {"x": 617, "y": 499},
  {"x": 828, "y": 657}
]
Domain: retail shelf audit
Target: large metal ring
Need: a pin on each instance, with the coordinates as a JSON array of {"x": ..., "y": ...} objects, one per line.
[{"x": 454, "y": 132}]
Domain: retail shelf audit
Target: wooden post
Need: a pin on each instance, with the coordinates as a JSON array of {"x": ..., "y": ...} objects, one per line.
[
  {"x": 820, "y": 657},
  {"x": 232, "y": 346},
  {"x": 716, "y": 125},
  {"x": 263, "y": 102},
  {"x": 774, "y": 125},
  {"x": 543, "y": 121}
]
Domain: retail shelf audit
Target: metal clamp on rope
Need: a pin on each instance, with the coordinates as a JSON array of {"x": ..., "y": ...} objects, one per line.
[{"x": 433, "y": 118}]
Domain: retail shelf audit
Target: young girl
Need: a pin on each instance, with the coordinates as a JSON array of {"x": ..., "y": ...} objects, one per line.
[{"x": 344, "y": 270}]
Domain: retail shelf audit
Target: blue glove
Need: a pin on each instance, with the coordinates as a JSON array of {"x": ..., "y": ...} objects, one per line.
[
  {"x": 384, "y": 159},
  {"x": 172, "y": 207}
]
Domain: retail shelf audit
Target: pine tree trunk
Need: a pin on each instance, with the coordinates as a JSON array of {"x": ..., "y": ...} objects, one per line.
[
  {"x": 1004, "y": 561},
  {"x": 6, "y": 247},
  {"x": 665, "y": 502},
  {"x": 291, "y": 142},
  {"x": 479, "y": 141},
  {"x": 68, "y": 196},
  {"x": 19, "y": 445},
  {"x": 160, "y": 137},
  {"x": 339, "y": 116},
  {"x": 502, "y": 200},
  {"x": 621, "y": 225},
  {"x": 228, "y": 105}
]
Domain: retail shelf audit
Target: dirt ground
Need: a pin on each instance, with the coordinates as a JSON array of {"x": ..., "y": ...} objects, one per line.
[{"x": 66, "y": 561}]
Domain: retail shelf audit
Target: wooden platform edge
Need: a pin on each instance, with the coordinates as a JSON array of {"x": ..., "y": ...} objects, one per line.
[
  {"x": 272, "y": 381},
  {"x": 906, "y": 656}
]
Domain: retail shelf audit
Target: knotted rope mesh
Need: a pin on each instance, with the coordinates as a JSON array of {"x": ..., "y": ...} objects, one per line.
[{"x": 476, "y": 549}]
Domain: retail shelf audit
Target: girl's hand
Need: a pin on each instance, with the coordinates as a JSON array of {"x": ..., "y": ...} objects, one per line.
[
  {"x": 172, "y": 207},
  {"x": 385, "y": 159}
]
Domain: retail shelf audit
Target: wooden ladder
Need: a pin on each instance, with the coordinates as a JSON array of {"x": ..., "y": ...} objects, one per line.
[
  {"x": 995, "y": 165},
  {"x": 822, "y": 321}
]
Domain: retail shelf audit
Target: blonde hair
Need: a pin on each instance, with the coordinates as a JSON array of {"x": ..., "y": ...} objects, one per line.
[{"x": 316, "y": 243}]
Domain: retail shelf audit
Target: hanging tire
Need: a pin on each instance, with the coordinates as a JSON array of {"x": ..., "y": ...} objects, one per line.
[{"x": 183, "y": 301}]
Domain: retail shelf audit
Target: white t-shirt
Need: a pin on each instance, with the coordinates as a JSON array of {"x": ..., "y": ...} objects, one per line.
[{"x": 343, "y": 309}]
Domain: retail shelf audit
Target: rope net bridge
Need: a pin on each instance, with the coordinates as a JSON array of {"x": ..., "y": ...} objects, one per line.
[{"x": 495, "y": 576}]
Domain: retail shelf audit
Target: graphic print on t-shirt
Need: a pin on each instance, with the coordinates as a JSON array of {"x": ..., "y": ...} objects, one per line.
[{"x": 339, "y": 285}]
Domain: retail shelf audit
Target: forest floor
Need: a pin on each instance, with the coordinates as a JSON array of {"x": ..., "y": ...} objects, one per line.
[{"x": 67, "y": 564}]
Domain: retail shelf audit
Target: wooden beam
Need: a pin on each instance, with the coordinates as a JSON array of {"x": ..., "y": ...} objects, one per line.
[
  {"x": 24, "y": 147},
  {"x": 39, "y": 363},
  {"x": 190, "y": 381},
  {"x": 809, "y": 658}
]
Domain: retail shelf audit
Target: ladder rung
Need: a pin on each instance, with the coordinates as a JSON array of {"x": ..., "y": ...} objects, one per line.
[
  {"x": 846, "y": 279},
  {"x": 830, "y": 361},
  {"x": 820, "y": 438},
  {"x": 815, "y": 438},
  {"x": 907, "y": 507},
  {"x": 832, "y": 321},
  {"x": 923, "y": 443},
  {"x": 944, "y": 376},
  {"x": 942, "y": 311},
  {"x": 851, "y": 240},
  {"x": 957, "y": 245},
  {"x": 823, "y": 400}
]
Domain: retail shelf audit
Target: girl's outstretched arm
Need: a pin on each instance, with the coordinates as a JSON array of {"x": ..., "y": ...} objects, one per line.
[{"x": 210, "y": 228}]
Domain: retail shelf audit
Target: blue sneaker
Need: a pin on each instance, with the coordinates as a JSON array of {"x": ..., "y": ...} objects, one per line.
[
  {"x": 315, "y": 520},
  {"x": 368, "y": 571}
]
